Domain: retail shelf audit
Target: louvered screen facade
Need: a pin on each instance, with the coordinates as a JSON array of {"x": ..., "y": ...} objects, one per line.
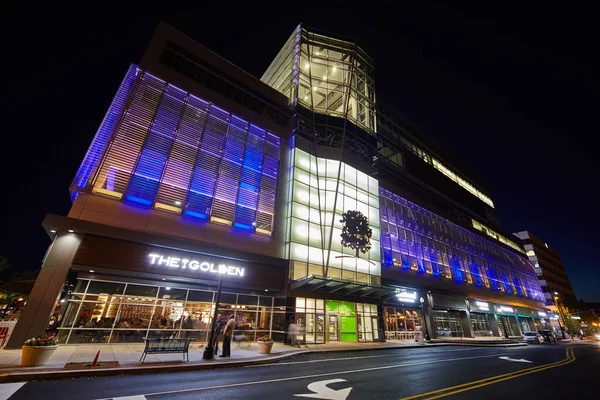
[{"x": 163, "y": 148}]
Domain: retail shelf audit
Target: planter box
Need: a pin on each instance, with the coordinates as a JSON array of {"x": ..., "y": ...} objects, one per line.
[
  {"x": 33, "y": 356},
  {"x": 265, "y": 347}
]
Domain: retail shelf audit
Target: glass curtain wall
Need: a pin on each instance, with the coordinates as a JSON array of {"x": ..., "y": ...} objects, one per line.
[
  {"x": 313, "y": 202},
  {"x": 119, "y": 312},
  {"x": 326, "y": 75},
  {"x": 401, "y": 323},
  {"x": 419, "y": 241}
]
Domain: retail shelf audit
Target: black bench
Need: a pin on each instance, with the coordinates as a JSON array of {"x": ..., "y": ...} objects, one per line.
[{"x": 166, "y": 345}]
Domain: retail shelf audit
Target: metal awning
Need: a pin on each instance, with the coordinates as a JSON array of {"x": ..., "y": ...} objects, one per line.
[{"x": 315, "y": 283}]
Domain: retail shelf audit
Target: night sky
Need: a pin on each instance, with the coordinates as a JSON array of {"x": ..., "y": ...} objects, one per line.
[{"x": 512, "y": 92}]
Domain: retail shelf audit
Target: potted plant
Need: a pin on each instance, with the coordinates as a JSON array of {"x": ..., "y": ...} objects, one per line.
[
  {"x": 265, "y": 344},
  {"x": 37, "y": 351}
]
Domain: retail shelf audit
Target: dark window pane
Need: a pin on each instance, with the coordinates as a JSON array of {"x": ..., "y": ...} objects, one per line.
[
  {"x": 227, "y": 298},
  {"x": 139, "y": 290},
  {"x": 247, "y": 300},
  {"x": 97, "y": 287},
  {"x": 172, "y": 294},
  {"x": 266, "y": 301},
  {"x": 81, "y": 285},
  {"x": 196, "y": 295}
]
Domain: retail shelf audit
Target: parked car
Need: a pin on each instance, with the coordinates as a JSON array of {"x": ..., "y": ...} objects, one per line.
[
  {"x": 548, "y": 335},
  {"x": 533, "y": 337}
]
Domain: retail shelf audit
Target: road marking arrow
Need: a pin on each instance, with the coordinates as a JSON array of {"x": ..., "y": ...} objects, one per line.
[
  {"x": 321, "y": 391},
  {"x": 514, "y": 359}
]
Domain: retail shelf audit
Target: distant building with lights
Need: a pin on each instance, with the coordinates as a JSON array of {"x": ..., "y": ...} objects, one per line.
[
  {"x": 549, "y": 269},
  {"x": 200, "y": 172}
]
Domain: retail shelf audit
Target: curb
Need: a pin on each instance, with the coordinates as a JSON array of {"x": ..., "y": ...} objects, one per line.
[{"x": 12, "y": 377}]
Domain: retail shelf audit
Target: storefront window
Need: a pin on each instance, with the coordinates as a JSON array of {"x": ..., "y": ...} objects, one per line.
[
  {"x": 448, "y": 323},
  {"x": 481, "y": 324},
  {"x": 116, "y": 312},
  {"x": 401, "y": 324}
]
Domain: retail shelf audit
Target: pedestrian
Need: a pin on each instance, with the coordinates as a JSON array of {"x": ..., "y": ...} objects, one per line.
[
  {"x": 227, "y": 334},
  {"x": 293, "y": 331},
  {"x": 219, "y": 325}
]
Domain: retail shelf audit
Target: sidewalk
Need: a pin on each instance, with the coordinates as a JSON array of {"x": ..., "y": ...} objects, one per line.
[{"x": 128, "y": 356}]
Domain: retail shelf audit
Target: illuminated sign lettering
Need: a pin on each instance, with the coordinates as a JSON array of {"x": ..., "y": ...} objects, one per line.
[
  {"x": 195, "y": 265},
  {"x": 542, "y": 314},
  {"x": 482, "y": 305},
  {"x": 406, "y": 296},
  {"x": 506, "y": 309}
]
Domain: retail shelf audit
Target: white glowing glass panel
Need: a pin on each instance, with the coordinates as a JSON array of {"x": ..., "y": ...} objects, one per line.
[
  {"x": 373, "y": 186},
  {"x": 300, "y": 193},
  {"x": 299, "y": 231},
  {"x": 315, "y": 255},
  {"x": 298, "y": 252},
  {"x": 355, "y": 191},
  {"x": 301, "y": 211},
  {"x": 302, "y": 176}
]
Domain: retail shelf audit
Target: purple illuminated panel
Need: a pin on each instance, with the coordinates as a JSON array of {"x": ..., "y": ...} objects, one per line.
[
  {"x": 177, "y": 153},
  {"x": 417, "y": 240},
  {"x": 96, "y": 150}
]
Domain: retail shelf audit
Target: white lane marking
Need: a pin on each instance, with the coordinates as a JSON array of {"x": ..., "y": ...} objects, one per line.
[
  {"x": 515, "y": 359},
  {"x": 138, "y": 397},
  {"x": 345, "y": 359},
  {"x": 8, "y": 389},
  {"x": 292, "y": 378},
  {"x": 321, "y": 391}
]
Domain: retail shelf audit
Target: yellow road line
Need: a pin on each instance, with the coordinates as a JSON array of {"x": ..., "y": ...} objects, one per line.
[{"x": 494, "y": 379}]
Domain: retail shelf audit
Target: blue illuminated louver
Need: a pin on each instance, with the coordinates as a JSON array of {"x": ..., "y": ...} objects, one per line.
[
  {"x": 96, "y": 150},
  {"x": 418, "y": 240}
]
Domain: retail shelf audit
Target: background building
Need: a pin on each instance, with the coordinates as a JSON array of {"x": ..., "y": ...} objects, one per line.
[
  {"x": 202, "y": 173},
  {"x": 549, "y": 269}
]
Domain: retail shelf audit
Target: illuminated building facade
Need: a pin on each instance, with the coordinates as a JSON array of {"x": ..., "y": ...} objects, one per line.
[{"x": 201, "y": 172}]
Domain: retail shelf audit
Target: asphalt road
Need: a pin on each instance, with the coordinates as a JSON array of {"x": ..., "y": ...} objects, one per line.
[{"x": 549, "y": 371}]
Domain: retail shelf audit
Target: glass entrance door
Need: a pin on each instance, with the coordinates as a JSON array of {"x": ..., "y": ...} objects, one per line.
[
  {"x": 375, "y": 327},
  {"x": 320, "y": 328},
  {"x": 333, "y": 328}
]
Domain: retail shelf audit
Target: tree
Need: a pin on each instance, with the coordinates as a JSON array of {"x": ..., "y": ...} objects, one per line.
[
  {"x": 6, "y": 301},
  {"x": 4, "y": 265},
  {"x": 356, "y": 233}
]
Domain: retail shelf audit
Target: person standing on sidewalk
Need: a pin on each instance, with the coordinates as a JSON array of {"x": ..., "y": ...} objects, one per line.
[
  {"x": 293, "y": 331},
  {"x": 219, "y": 325},
  {"x": 227, "y": 335}
]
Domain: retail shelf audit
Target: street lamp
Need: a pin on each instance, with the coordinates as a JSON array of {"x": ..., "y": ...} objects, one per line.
[
  {"x": 427, "y": 338},
  {"x": 560, "y": 316}
]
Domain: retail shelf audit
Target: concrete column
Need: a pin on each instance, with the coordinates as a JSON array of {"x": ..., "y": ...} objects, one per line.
[
  {"x": 48, "y": 286},
  {"x": 467, "y": 327},
  {"x": 494, "y": 325},
  {"x": 428, "y": 317},
  {"x": 515, "y": 325}
]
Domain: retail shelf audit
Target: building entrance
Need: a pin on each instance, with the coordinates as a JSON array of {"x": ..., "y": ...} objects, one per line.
[{"x": 333, "y": 328}]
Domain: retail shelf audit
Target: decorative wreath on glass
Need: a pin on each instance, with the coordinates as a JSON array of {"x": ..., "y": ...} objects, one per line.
[{"x": 356, "y": 233}]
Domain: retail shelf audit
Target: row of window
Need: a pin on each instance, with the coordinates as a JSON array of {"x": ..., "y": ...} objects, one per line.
[
  {"x": 480, "y": 227},
  {"x": 189, "y": 65}
]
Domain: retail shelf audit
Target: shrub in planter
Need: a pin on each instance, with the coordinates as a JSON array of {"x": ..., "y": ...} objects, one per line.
[
  {"x": 37, "y": 351},
  {"x": 265, "y": 344}
]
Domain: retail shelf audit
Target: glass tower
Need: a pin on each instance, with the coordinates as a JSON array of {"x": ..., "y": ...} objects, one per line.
[{"x": 327, "y": 76}]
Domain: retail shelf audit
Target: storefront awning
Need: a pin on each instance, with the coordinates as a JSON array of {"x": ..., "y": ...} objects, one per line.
[{"x": 323, "y": 284}]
